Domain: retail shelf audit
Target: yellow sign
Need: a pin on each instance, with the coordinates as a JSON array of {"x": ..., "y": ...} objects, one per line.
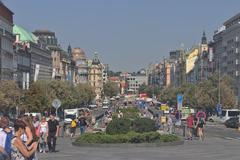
[
  {"x": 164, "y": 107},
  {"x": 191, "y": 59}
]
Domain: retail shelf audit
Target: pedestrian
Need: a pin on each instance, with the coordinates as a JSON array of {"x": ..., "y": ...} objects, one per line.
[
  {"x": 190, "y": 126},
  {"x": 19, "y": 151},
  {"x": 30, "y": 134},
  {"x": 53, "y": 131},
  {"x": 73, "y": 127},
  {"x": 200, "y": 126},
  {"x": 178, "y": 117},
  {"x": 170, "y": 124},
  {"x": 82, "y": 124},
  {"x": 43, "y": 132},
  {"x": 6, "y": 135}
]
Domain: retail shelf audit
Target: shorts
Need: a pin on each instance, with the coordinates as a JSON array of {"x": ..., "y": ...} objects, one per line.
[
  {"x": 73, "y": 129},
  {"x": 191, "y": 130},
  {"x": 200, "y": 125},
  {"x": 178, "y": 123}
]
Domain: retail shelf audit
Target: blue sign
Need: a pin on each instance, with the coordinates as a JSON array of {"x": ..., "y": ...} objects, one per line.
[
  {"x": 179, "y": 101},
  {"x": 219, "y": 109}
]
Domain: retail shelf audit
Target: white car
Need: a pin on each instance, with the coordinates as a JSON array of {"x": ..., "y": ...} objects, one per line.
[{"x": 226, "y": 114}]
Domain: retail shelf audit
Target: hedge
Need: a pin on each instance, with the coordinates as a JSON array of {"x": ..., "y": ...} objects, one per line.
[
  {"x": 130, "y": 137},
  {"x": 119, "y": 126},
  {"x": 143, "y": 125}
]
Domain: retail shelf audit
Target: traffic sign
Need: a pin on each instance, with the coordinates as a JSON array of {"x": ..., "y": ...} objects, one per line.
[
  {"x": 56, "y": 103},
  {"x": 179, "y": 101}
]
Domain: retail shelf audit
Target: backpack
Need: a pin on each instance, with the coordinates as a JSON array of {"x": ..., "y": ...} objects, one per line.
[
  {"x": 73, "y": 124},
  {"x": 8, "y": 146}
]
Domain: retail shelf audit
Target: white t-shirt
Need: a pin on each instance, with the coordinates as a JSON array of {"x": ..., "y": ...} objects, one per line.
[
  {"x": 43, "y": 127},
  {"x": 2, "y": 138}
]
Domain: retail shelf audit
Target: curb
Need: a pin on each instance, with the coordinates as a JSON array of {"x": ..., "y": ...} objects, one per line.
[{"x": 126, "y": 145}]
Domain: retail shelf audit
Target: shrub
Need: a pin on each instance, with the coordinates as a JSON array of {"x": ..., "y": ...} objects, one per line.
[
  {"x": 130, "y": 113},
  {"x": 119, "y": 126},
  {"x": 144, "y": 125},
  {"x": 131, "y": 137}
]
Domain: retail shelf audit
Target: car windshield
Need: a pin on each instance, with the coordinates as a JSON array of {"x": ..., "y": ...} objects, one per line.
[{"x": 71, "y": 116}]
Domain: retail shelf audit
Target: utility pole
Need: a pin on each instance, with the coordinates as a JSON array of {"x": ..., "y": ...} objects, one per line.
[{"x": 219, "y": 91}]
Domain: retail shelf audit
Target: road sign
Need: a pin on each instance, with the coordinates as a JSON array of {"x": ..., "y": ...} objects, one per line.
[
  {"x": 179, "y": 101},
  {"x": 56, "y": 103}
]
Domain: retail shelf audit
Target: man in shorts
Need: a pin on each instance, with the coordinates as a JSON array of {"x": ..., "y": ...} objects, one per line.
[{"x": 190, "y": 126}]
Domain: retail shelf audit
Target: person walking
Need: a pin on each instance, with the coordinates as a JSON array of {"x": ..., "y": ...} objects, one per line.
[
  {"x": 53, "y": 130},
  {"x": 200, "y": 126},
  {"x": 6, "y": 135},
  {"x": 43, "y": 132},
  {"x": 170, "y": 124},
  {"x": 190, "y": 126},
  {"x": 19, "y": 151},
  {"x": 30, "y": 134},
  {"x": 82, "y": 124},
  {"x": 73, "y": 127}
]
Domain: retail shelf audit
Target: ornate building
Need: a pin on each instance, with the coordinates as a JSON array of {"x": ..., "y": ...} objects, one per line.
[
  {"x": 80, "y": 60},
  {"x": 95, "y": 75}
]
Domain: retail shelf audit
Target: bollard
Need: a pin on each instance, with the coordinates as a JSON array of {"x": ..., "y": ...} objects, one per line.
[{"x": 184, "y": 130}]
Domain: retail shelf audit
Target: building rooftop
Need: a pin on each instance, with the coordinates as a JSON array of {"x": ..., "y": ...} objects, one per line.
[
  {"x": 232, "y": 20},
  {"x": 24, "y": 34}
]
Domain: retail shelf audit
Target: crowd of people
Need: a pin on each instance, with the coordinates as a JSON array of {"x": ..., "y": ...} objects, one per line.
[
  {"x": 27, "y": 136},
  {"x": 173, "y": 123}
]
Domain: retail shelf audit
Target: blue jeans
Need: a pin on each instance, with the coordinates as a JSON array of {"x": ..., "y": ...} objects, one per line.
[{"x": 82, "y": 129}]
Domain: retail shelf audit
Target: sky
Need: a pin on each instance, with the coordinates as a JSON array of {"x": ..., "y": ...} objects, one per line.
[{"x": 127, "y": 34}]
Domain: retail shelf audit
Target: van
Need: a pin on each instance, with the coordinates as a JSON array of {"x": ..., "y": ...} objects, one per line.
[
  {"x": 229, "y": 113},
  {"x": 226, "y": 114}
]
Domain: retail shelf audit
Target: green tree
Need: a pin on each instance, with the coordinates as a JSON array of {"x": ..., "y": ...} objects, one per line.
[
  {"x": 110, "y": 89},
  {"x": 149, "y": 90},
  {"x": 10, "y": 95},
  {"x": 38, "y": 97},
  {"x": 83, "y": 94}
]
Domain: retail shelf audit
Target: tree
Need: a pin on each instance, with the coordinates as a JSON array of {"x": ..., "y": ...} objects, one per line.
[
  {"x": 149, "y": 90},
  {"x": 84, "y": 94},
  {"x": 110, "y": 89},
  {"x": 10, "y": 95},
  {"x": 38, "y": 97}
]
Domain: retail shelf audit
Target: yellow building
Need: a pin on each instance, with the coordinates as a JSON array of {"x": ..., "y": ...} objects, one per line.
[{"x": 95, "y": 78}]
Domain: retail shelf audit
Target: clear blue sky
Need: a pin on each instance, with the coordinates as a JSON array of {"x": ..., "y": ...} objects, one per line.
[{"x": 127, "y": 34}]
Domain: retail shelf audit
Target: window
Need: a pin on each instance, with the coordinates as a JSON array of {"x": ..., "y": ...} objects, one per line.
[{"x": 233, "y": 113}]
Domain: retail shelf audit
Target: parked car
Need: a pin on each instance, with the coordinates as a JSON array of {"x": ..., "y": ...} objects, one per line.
[{"x": 232, "y": 122}]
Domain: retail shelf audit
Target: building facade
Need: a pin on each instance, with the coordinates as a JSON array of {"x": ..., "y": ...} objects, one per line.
[
  {"x": 135, "y": 81},
  {"x": 60, "y": 58},
  {"x": 7, "y": 61},
  {"x": 226, "y": 47},
  {"x": 80, "y": 60},
  {"x": 95, "y": 75},
  {"x": 40, "y": 56}
]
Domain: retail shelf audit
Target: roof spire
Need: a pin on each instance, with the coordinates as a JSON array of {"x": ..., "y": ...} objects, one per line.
[{"x": 204, "y": 38}]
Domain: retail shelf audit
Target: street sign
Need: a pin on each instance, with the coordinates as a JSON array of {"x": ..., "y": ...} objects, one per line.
[
  {"x": 179, "y": 101},
  {"x": 56, "y": 103}
]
